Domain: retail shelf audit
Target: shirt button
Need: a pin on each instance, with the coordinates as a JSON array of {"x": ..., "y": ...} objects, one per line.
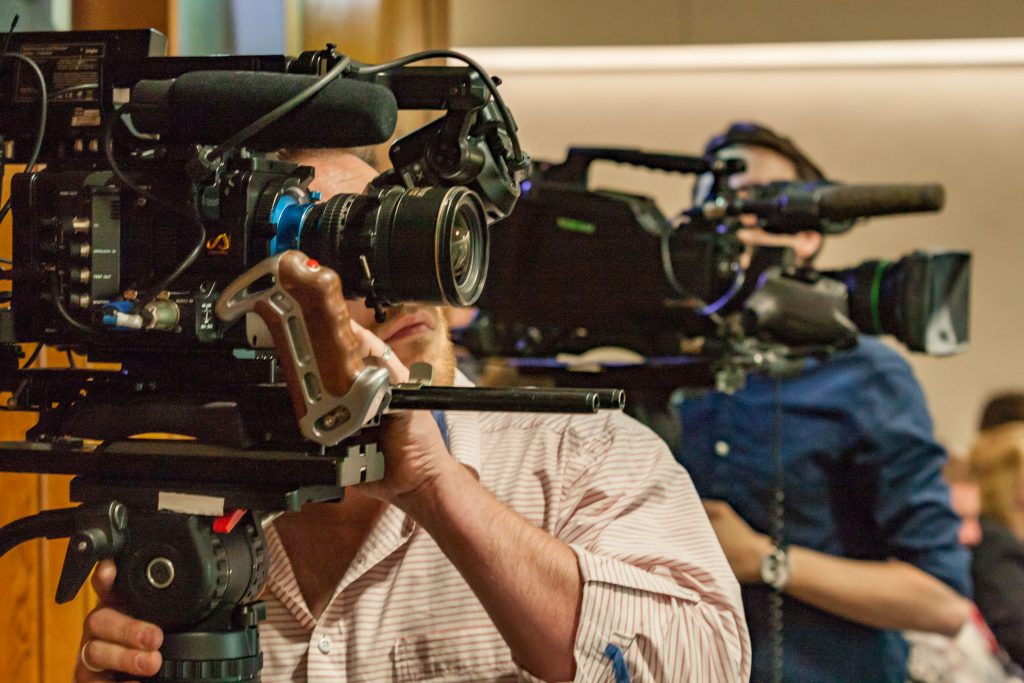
[
  {"x": 721, "y": 449},
  {"x": 324, "y": 645}
]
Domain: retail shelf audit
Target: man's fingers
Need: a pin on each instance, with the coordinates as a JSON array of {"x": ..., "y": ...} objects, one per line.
[
  {"x": 113, "y": 657},
  {"x": 364, "y": 337},
  {"x": 103, "y": 580},
  {"x": 372, "y": 345},
  {"x": 106, "y": 624}
]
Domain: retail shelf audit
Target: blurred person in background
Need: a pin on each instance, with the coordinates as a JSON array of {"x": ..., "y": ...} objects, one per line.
[
  {"x": 997, "y": 460},
  {"x": 974, "y": 655},
  {"x": 1007, "y": 406}
]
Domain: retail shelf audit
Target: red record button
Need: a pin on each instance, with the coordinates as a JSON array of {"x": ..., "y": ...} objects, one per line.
[
  {"x": 225, "y": 523},
  {"x": 313, "y": 264}
]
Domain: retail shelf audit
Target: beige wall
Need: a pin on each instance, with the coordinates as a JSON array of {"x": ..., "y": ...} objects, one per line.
[
  {"x": 961, "y": 126},
  {"x": 674, "y": 22}
]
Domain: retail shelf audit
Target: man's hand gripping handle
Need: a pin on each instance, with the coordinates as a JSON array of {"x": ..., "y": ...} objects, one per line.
[{"x": 333, "y": 392}]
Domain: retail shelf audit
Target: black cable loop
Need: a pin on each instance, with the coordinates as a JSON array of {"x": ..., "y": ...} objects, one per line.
[
  {"x": 484, "y": 76},
  {"x": 6, "y": 209}
]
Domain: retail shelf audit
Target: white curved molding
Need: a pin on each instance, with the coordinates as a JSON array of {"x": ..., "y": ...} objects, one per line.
[{"x": 854, "y": 54}]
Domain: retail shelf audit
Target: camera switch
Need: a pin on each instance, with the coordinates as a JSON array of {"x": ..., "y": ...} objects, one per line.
[{"x": 78, "y": 300}]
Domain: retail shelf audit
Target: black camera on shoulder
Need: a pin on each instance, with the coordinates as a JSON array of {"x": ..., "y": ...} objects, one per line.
[{"x": 577, "y": 269}]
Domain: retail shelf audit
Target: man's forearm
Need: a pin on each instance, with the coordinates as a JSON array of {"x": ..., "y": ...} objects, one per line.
[
  {"x": 892, "y": 595},
  {"x": 528, "y": 581}
]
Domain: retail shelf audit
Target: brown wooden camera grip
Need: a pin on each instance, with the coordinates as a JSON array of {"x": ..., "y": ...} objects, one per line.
[{"x": 318, "y": 293}]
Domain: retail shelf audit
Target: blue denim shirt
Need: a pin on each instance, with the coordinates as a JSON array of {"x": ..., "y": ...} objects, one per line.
[{"x": 862, "y": 479}]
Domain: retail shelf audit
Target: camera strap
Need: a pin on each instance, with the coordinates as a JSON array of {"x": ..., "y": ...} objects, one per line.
[{"x": 442, "y": 424}]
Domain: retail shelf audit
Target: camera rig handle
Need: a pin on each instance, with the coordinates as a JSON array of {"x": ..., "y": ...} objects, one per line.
[
  {"x": 96, "y": 531},
  {"x": 575, "y": 168},
  {"x": 333, "y": 392}
]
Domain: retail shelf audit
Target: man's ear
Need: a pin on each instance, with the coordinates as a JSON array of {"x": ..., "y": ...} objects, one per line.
[{"x": 807, "y": 245}]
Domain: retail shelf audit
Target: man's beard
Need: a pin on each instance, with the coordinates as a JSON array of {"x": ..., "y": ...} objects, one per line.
[
  {"x": 435, "y": 348},
  {"x": 438, "y": 351}
]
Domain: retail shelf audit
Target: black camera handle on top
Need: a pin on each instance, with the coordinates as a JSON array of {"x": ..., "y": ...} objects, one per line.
[{"x": 576, "y": 167}]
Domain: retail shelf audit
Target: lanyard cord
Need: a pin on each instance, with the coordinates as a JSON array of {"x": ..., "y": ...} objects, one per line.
[{"x": 775, "y": 616}]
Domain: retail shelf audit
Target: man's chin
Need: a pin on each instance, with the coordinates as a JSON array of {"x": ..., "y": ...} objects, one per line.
[
  {"x": 411, "y": 349},
  {"x": 420, "y": 350}
]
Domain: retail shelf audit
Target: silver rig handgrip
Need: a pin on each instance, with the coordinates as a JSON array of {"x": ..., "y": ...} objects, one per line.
[{"x": 333, "y": 392}]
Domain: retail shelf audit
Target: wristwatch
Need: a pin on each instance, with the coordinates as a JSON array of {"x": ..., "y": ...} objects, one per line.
[{"x": 775, "y": 568}]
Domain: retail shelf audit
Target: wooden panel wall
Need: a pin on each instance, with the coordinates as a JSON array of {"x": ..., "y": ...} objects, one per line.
[
  {"x": 106, "y": 14},
  {"x": 375, "y": 31},
  {"x": 38, "y": 638}
]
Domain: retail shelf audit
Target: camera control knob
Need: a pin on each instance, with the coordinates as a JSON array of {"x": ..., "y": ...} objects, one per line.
[
  {"x": 81, "y": 276},
  {"x": 80, "y": 250},
  {"x": 160, "y": 572}
]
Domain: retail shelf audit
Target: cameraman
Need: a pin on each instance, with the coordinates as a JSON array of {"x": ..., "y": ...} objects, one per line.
[
  {"x": 868, "y": 537},
  {"x": 497, "y": 547}
]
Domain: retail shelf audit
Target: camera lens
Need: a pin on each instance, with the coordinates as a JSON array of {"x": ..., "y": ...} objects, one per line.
[
  {"x": 873, "y": 289},
  {"x": 464, "y": 238},
  {"x": 461, "y": 248},
  {"x": 922, "y": 299},
  {"x": 420, "y": 244}
]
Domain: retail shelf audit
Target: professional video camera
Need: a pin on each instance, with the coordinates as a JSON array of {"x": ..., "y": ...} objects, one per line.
[
  {"x": 577, "y": 269},
  {"x": 163, "y": 219}
]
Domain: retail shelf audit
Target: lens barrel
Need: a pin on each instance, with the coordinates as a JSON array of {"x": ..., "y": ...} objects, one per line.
[
  {"x": 922, "y": 299},
  {"x": 421, "y": 244},
  {"x": 874, "y": 291}
]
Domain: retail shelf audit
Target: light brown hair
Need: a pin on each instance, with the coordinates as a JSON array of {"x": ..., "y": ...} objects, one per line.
[{"x": 997, "y": 460}]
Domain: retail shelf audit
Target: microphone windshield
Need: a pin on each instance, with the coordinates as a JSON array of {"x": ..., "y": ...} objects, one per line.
[
  {"x": 844, "y": 202},
  {"x": 208, "y": 107}
]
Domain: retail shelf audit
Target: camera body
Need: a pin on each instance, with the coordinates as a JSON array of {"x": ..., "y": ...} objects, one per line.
[
  {"x": 578, "y": 268},
  {"x": 98, "y": 244}
]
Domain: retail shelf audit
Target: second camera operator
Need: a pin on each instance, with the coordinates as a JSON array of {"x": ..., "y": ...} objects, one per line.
[
  {"x": 840, "y": 462},
  {"x": 498, "y": 546}
]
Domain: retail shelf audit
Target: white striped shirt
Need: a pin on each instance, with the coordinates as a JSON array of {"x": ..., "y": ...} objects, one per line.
[{"x": 656, "y": 585}]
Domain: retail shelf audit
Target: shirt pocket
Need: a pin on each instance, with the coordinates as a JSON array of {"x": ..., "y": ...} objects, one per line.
[{"x": 476, "y": 654}]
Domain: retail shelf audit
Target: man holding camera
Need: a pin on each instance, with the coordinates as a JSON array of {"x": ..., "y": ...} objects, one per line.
[
  {"x": 497, "y": 547},
  {"x": 840, "y": 466}
]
